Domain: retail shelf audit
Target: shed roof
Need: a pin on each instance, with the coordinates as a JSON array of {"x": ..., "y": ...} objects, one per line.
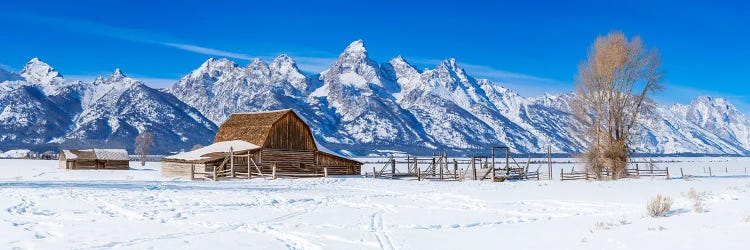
[
  {"x": 97, "y": 154},
  {"x": 214, "y": 151},
  {"x": 251, "y": 127}
]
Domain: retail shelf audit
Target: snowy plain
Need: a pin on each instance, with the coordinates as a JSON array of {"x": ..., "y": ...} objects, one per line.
[{"x": 44, "y": 207}]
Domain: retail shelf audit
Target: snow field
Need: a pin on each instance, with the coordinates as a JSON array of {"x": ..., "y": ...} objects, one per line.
[{"x": 43, "y": 207}]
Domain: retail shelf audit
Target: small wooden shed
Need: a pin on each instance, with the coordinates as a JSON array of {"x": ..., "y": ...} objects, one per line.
[
  {"x": 261, "y": 141},
  {"x": 117, "y": 159}
]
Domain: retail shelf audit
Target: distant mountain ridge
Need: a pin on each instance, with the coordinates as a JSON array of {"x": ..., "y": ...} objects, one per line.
[
  {"x": 43, "y": 111},
  {"x": 356, "y": 106}
]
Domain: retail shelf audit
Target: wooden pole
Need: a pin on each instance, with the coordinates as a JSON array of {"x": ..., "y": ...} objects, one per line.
[
  {"x": 441, "y": 168},
  {"x": 419, "y": 174},
  {"x": 667, "y": 173},
  {"x": 325, "y": 172},
  {"x": 231, "y": 161},
  {"x": 192, "y": 172},
  {"x": 561, "y": 174},
  {"x": 215, "y": 173},
  {"x": 682, "y": 174},
  {"x": 416, "y": 164},
  {"x": 248, "y": 165},
  {"x": 455, "y": 168},
  {"x": 493, "y": 157},
  {"x": 549, "y": 160},
  {"x": 637, "y": 172},
  {"x": 393, "y": 168},
  {"x": 373, "y": 173},
  {"x": 507, "y": 158},
  {"x": 273, "y": 172},
  {"x": 474, "y": 168},
  {"x": 709, "y": 172}
]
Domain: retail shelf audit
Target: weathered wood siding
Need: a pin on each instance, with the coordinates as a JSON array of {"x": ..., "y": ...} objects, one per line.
[
  {"x": 288, "y": 160},
  {"x": 62, "y": 161},
  {"x": 337, "y": 165},
  {"x": 114, "y": 165},
  {"x": 291, "y": 133},
  {"x": 177, "y": 170}
]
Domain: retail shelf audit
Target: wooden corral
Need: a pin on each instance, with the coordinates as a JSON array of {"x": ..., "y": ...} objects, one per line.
[
  {"x": 117, "y": 159},
  {"x": 440, "y": 167},
  {"x": 273, "y": 143}
]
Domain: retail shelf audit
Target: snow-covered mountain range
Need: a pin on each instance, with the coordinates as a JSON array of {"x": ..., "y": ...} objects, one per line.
[
  {"x": 43, "y": 111},
  {"x": 357, "y": 106}
]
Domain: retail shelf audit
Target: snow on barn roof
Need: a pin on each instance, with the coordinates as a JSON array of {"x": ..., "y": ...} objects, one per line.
[
  {"x": 219, "y": 147},
  {"x": 97, "y": 153}
]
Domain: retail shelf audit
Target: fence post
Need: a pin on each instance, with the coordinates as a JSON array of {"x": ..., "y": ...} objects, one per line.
[
  {"x": 667, "y": 173},
  {"x": 709, "y": 172},
  {"x": 373, "y": 173},
  {"x": 561, "y": 174},
  {"x": 192, "y": 172},
  {"x": 682, "y": 174},
  {"x": 393, "y": 168},
  {"x": 231, "y": 161},
  {"x": 419, "y": 174},
  {"x": 325, "y": 172},
  {"x": 637, "y": 171},
  {"x": 273, "y": 172},
  {"x": 215, "y": 173},
  {"x": 455, "y": 168},
  {"x": 726, "y": 169}
]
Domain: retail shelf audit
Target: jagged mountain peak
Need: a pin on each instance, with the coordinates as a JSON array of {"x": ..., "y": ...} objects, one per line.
[
  {"x": 213, "y": 63},
  {"x": 256, "y": 64},
  {"x": 99, "y": 80},
  {"x": 716, "y": 102},
  {"x": 117, "y": 74},
  {"x": 452, "y": 65},
  {"x": 356, "y": 47},
  {"x": 38, "y": 72},
  {"x": 284, "y": 61},
  {"x": 399, "y": 60},
  {"x": 213, "y": 67}
]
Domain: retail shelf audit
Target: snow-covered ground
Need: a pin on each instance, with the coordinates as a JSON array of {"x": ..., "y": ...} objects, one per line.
[{"x": 44, "y": 207}]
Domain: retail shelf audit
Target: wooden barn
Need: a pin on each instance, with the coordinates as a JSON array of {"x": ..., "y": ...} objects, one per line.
[
  {"x": 94, "y": 159},
  {"x": 256, "y": 143}
]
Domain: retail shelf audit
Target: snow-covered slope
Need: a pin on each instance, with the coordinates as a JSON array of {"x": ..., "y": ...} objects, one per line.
[
  {"x": 364, "y": 108},
  {"x": 356, "y": 106},
  {"x": 47, "y": 112}
]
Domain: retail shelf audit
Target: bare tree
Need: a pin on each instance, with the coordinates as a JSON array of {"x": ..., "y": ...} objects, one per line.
[
  {"x": 142, "y": 145},
  {"x": 612, "y": 88}
]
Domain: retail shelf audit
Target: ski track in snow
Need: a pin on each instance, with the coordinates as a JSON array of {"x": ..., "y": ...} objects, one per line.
[{"x": 47, "y": 208}]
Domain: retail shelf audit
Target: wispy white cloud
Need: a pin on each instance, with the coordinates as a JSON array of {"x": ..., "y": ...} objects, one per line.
[
  {"x": 6, "y": 67},
  {"x": 133, "y": 35},
  {"x": 208, "y": 51},
  {"x": 307, "y": 64}
]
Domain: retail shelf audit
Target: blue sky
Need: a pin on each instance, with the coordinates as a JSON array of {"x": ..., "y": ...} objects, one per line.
[{"x": 530, "y": 46}]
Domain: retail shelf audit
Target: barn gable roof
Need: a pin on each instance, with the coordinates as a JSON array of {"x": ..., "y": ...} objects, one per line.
[{"x": 251, "y": 127}]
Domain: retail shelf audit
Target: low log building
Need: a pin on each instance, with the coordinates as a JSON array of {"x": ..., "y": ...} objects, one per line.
[
  {"x": 255, "y": 143},
  {"x": 94, "y": 159}
]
